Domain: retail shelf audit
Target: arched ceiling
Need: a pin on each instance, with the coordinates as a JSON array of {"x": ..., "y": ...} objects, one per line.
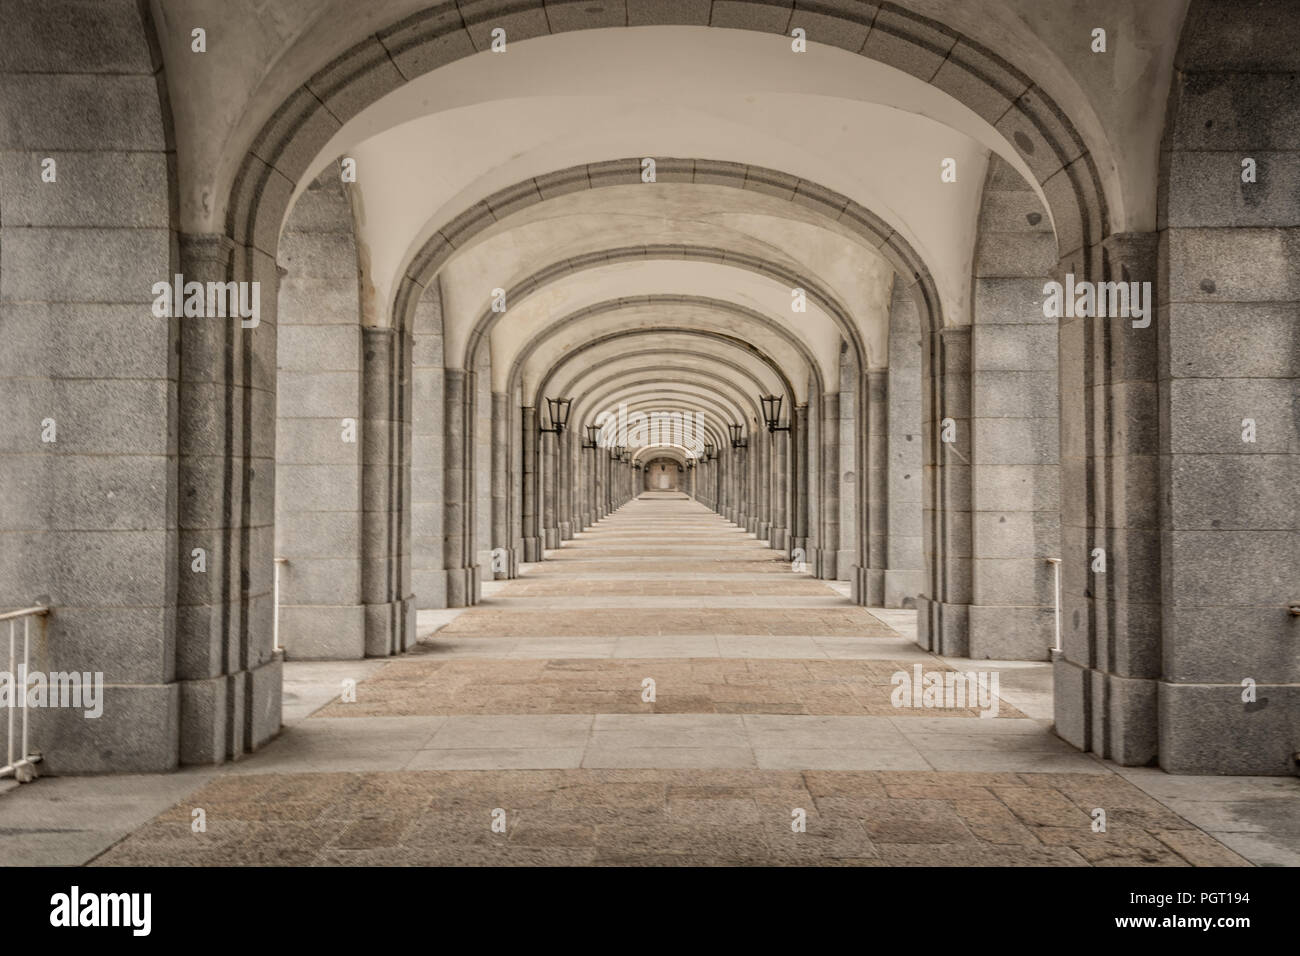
[
  {"x": 721, "y": 219},
  {"x": 672, "y": 295},
  {"x": 534, "y": 317},
  {"x": 261, "y": 52},
  {"x": 767, "y": 336}
]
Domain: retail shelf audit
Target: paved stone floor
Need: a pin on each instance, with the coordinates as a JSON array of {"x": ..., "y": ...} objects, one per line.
[{"x": 772, "y": 703}]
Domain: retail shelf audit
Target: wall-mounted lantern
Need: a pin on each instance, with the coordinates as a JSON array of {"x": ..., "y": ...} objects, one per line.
[
  {"x": 772, "y": 413},
  {"x": 710, "y": 453},
  {"x": 593, "y": 432},
  {"x": 738, "y": 439},
  {"x": 559, "y": 409}
]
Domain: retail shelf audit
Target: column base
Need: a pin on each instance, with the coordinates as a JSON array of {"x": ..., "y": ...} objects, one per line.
[
  {"x": 462, "y": 586},
  {"x": 780, "y": 539},
  {"x": 139, "y": 731},
  {"x": 902, "y": 588},
  {"x": 550, "y": 538},
  {"x": 532, "y": 550},
  {"x": 323, "y": 633},
  {"x": 248, "y": 702},
  {"x": 1115, "y": 717},
  {"x": 943, "y": 628},
  {"x": 822, "y": 562},
  {"x": 390, "y": 627},
  {"x": 858, "y": 589},
  {"x": 1011, "y": 633}
]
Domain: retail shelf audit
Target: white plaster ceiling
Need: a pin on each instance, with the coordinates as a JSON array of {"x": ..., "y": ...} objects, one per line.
[
  {"x": 260, "y": 52},
  {"x": 639, "y": 317},
  {"x": 702, "y": 216},
  {"x": 526, "y": 321}
]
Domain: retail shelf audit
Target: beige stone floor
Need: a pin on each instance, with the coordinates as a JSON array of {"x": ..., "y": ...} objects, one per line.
[
  {"x": 772, "y": 696},
  {"x": 683, "y": 686},
  {"x": 698, "y": 817}
]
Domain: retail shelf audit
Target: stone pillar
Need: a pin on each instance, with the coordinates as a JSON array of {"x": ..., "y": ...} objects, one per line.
[
  {"x": 942, "y": 624},
  {"x": 564, "y": 486},
  {"x": 502, "y": 559},
  {"x": 515, "y": 468},
  {"x": 230, "y": 676},
  {"x": 1106, "y": 677},
  {"x": 874, "y": 474},
  {"x": 753, "y": 455},
  {"x": 386, "y": 493},
  {"x": 799, "y": 473},
  {"x": 480, "y": 463},
  {"x": 1016, "y": 423},
  {"x": 1229, "y": 336},
  {"x": 899, "y": 515},
  {"x": 848, "y": 474},
  {"x": 549, "y": 492},
  {"x": 532, "y": 482},
  {"x": 90, "y": 520},
  {"x": 742, "y": 487},
  {"x": 429, "y": 421},
  {"x": 458, "y": 490},
  {"x": 780, "y": 540},
  {"x": 829, "y": 538},
  {"x": 320, "y": 429}
]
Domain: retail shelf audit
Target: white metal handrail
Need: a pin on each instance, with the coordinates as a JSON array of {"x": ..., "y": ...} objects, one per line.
[
  {"x": 24, "y": 768},
  {"x": 275, "y": 624},
  {"x": 1056, "y": 569}
]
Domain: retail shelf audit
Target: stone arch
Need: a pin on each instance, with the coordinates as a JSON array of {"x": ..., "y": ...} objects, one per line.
[{"x": 1039, "y": 130}]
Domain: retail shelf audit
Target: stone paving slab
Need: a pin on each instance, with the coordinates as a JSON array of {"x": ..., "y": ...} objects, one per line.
[
  {"x": 739, "y": 586},
  {"x": 740, "y": 685},
  {"x": 670, "y": 817},
  {"x": 774, "y": 741},
  {"x": 824, "y": 621},
  {"x": 728, "y": 646}
]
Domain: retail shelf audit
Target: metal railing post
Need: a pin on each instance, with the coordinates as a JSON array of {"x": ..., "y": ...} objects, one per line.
[
  {"x": 1056, "y": 573},
  {"x": 275, "y": 624},
  {"x": 13, "y": 678},
  {"x": 21, "y": 766}
]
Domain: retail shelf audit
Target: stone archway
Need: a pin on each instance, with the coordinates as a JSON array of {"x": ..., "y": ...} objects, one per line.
[{"x": 662, "y": 474}]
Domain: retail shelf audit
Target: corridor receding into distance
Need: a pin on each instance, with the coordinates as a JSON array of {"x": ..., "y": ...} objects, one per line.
[
  {"x": 650, "y": 431},
  {"x": 772, "y": 694}
]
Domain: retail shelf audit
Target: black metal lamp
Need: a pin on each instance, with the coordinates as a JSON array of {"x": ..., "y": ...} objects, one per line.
[
  {"x": 559, "y": 409},
  {"x": 709, "y": 451},
  {"x": 738, "y": 439},
  {"x": 593, "y": 431},
  {"x": 772, "y": 413}
]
